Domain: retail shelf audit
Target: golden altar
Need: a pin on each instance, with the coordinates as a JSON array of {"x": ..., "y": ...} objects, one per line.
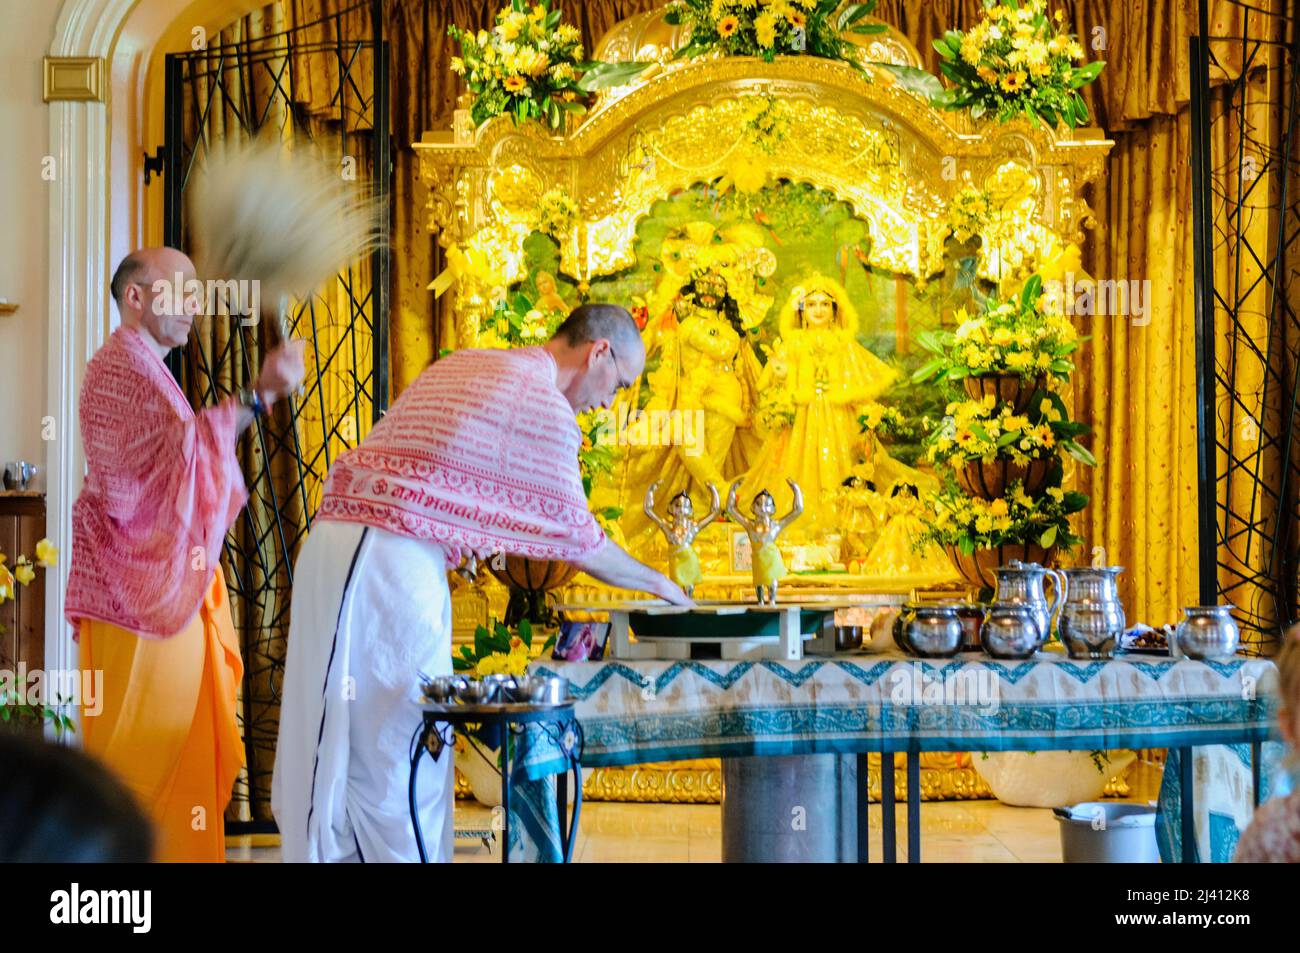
[{"x": 740, "y": 137}]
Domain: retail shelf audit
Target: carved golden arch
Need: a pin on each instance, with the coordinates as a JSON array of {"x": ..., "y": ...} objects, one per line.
[{"x": 895, "y": 160}]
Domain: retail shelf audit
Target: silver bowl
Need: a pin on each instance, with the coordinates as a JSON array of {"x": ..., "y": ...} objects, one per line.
[
  {"x": 1207, "y": 633},
  {"x": 475, "y": 692},
  {"x": 557, "y": 690},
  {"x": 1010, "y": 631},
  {"x": 442, "y": 688},
  {"x": 499, "y": 687},
  {"x": 532, "y": 689},
  {"x": 932, "y": 631}
]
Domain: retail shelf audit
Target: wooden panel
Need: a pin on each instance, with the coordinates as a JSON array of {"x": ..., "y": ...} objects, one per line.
[
  {"x": 8, "y": 610},
  {"x": 22, "y": 525}
]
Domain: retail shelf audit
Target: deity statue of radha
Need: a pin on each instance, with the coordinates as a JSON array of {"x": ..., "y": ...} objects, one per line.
[{"x": 820, "y": 376}]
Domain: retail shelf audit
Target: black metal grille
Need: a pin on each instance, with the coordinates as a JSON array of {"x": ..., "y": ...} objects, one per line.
[
  {"x": 240, "y": 90},
  {"x": 1246, "y": 215}
]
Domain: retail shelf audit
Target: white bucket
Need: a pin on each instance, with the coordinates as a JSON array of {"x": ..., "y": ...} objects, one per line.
[{"x": 1116, "y": 832}]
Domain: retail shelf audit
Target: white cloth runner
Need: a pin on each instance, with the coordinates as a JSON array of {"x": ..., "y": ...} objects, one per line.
[{"x": 371, "y": 610}]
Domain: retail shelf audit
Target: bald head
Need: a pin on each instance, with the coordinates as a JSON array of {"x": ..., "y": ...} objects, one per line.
[
  {"x": 145, "y": 288},
  {"x": 599, "y": 352}
]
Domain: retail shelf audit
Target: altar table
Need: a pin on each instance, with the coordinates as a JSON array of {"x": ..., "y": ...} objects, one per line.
[{"x": 634, "y": 712}]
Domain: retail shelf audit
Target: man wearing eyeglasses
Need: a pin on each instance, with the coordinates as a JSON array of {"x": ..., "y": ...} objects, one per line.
[
  {"x": 478, "y": 456},
  {"x": 145, "y": 588}
]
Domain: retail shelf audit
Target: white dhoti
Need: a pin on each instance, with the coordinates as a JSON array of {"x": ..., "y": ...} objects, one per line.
[{"x": 371, "y": 612}]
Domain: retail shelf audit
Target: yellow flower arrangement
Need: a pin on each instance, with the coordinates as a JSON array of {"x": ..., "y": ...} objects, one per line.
[
  {"x": 557, "y": 213},
  {"x": 1009, "y": 337},
  {"x": 530, "y": 66},
  {"x": 968, "y": 212},
  {"x": 953, "y": 519},
  {"x": 768, "y": 28},
  {"x": 1016, "y": 62},
  {"x": 499, "y": 652},
  {"x": 985, "y": 430}
]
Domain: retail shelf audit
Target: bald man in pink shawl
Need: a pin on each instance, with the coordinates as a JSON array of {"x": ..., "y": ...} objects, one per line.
[
  {"x": 478, "y": 456},
  {"x": 145, "y": 588}
]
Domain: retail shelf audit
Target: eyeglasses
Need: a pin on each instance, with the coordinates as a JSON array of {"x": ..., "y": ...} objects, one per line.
[{"x": 617, "y": 373}]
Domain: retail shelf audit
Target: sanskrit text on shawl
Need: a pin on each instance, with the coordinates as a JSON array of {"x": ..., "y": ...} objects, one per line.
[
  {"x": 479, "y": 453},
  {"x": 162, "y": 487}
]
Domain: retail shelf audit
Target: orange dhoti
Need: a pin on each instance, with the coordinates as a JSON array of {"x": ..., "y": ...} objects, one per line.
[{"x": 166, "y": 722}]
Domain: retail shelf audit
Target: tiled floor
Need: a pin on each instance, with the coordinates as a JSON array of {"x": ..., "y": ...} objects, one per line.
[{"x": 951, "y": 831}]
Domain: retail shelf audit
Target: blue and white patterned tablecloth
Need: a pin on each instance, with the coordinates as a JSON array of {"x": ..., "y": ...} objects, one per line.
[{"x": 639, "y": 711}]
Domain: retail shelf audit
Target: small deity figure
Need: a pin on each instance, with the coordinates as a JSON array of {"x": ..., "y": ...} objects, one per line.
[
  {"x": 548, "y": 294},
  {"x": 896, "y": 554},
  {"x": 680, "y": 531},
  {"x": 763, "y": 530}
]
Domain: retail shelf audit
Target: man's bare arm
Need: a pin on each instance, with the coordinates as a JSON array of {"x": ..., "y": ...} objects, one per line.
[{"x": 613, "y": 565}]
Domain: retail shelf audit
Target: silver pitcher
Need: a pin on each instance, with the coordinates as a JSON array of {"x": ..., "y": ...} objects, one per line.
[
  {"x": 1092, "y": 619},
  {"x": 1022, "y": 584},
  {"x": 1207, "y": 633},
  {"x": 1011, "y": 630}
]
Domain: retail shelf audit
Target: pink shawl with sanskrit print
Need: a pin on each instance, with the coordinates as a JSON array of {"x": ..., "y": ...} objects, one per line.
[
  {"x": 162, "y": 487},
  {"x": 479, "y": 453}
]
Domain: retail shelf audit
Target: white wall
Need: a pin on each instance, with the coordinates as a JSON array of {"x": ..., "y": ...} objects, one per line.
[{"x": 26, "y": 30}]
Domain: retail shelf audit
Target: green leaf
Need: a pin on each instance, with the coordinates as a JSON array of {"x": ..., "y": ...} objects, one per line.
[
  {"x": 1048, "y": 537},
  {"x": 1080, "y": 108},
  {"x": 694, "y": 48},
  {"x": 977, "y": 110},
  {"x": 851, "y": 15},
  {"x": 605, "y": 75},
  {"x": 966, "y": 546},
  {"x": 482, "y": 642},
  {"x": 1080, "y": 453},
  {"x": 459, "y": 664},
  {"x": 928, "y": 369},
  {"x": 549, "y": 643},
  {"x": 526, "y": 632},
  {"x": 1083, "y": 75},
  {"x": 1074, "y": 501},
  {"x": 869, "y": 29},
  {"x": 913, "y": 80},
  {"x": 943, "y": 49},
  {"x": 1033, "y": 288},
  {"x": 1009, "y": 438}
]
